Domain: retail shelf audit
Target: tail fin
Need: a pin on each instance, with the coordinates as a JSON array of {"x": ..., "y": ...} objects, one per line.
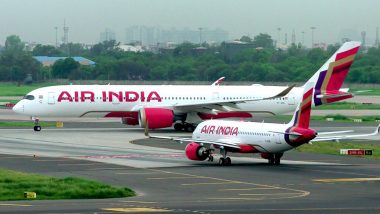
[
  {"x": 301, "y": 117},
  {"x": 329, "y": 78}
]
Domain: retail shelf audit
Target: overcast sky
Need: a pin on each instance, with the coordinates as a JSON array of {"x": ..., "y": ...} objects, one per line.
[{"x": 34, "y": 20}]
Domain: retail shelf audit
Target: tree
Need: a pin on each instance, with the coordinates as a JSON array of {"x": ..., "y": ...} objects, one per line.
[
  {"x": 246, "y": 39},
  {"x": 46, "y": 50},
  {"x": 63, "y": 68},
  {"x": 13, "y": 44},
  {"x": 263, "y": 41},
  {"x": 105, "y": 47}
]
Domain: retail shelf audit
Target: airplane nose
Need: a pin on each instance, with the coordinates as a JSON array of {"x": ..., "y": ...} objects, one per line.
[{"x": 18, "y": 108}]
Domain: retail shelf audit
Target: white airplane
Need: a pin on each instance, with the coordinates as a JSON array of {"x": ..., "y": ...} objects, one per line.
[
  {"x": 269, "y": 139},
  {"x": 185, "y": 105}
]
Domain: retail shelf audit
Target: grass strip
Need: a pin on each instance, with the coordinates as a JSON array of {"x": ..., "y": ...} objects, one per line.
[
  {"x": 13, "y": 184},
  {"x": 25, "y": 124},
  {"x": 333, "y": 148},
  {"x": 348, "y": 106}
]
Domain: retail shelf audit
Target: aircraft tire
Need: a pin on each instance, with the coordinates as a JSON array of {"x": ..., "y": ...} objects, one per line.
[
  {"x": 222, "y": 161},
  {"x": 178, "y": 127},
  {"x": 37, "y": 128},
  {"x": 228, "y": 161},
  {"x": 189, "y": 128}
]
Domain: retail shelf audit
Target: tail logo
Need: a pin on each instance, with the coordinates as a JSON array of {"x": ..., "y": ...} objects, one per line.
[{"x": 332, "y": 79}]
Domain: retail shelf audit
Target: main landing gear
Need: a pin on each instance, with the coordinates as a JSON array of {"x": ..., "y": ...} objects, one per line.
[
  {"x": 224, "y": 160},
  {"x": 275, "y": 159},
  {"x": 37, "y": 126},
  {"x": 187, "y": 127}
]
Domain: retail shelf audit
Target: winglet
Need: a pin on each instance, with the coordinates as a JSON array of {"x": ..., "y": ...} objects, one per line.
[
  {"x": 377, "y": 131},
  {"x": 218, "y": 81},
  {"x": 282, "y": 93}
]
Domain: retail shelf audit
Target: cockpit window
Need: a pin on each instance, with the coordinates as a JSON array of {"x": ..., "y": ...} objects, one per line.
[{"x": 29, "y": 97}]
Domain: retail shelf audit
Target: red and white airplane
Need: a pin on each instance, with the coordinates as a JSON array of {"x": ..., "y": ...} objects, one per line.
[
  {"x": 185, "y": 105},
  {"x": 269, "y": 139}
]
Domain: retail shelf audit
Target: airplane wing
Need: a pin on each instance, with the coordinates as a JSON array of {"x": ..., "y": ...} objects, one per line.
[
  {"x": 339, "y": 137},
  {"x": 226, "y": 105},
  {"x": 181, "y": 140},
  {"x": 221, "y": 105}
]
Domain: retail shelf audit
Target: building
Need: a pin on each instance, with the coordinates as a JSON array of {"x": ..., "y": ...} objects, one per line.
[
  {"x": 107, "y": 35},
  {"x": 49, "y": 61}
]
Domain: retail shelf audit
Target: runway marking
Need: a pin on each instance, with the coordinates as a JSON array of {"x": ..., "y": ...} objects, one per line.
[
  {"x": 50, "y": 160},
  {"x": 96, "y": 169},
  {"x": 136, "y": 209},
  {"x": 20, "y": 157},
  {"x": 178, "y": 177},
  {"x": 301, "y": 193},
  {"x": 283, "y": 193},
  {"x": 346, "y": 180},
  {"x": 215, "y": 183},
  {"x": 135, "y": 173},
  {"x": 246, "y": 189},
  {"x": 141, "y": 202},
  {"x": 16, "y": 205},
  {"x": 79, "y": 164}
]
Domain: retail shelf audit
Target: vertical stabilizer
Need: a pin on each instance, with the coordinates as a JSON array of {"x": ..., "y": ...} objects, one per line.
[{"x": 330, "y": 77}]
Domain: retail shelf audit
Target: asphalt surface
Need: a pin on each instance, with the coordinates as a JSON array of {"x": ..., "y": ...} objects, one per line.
[{"x": 167, "y": 182}]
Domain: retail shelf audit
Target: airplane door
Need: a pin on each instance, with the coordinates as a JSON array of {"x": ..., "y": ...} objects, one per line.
[
  {"x": 291, "y": 100},
  {"x": 215, "y": 95},
  {"x": 51, "y": 98},
  {"x": 278, "y": 138}
]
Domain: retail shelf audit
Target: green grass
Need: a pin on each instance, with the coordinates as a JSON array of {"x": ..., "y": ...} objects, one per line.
[
  {"x": 13, "y": 184},
  {"x": 9, "y": 89},
  {"x": 337, "y": 118},
  {"x": 364, "y": 92},
  {"x": 347, "y": 105},
  {"x": 25, "y": 124},
  {"x": 333, "y": 148}
]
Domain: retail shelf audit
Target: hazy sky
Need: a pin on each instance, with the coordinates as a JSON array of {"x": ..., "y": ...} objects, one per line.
[{"x": 34, "y": 20}]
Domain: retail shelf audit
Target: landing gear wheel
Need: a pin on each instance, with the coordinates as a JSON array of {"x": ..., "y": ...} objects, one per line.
[
  {"x": 210, "y": 158},
  {"x": 225, "y": 161},
  {"x": 228, "y": 161},
  {"x": 37, "y": 128},
  {"x": 189, "y": 127},
  {"x": 178, "y": 127},
  {"x": 271, "y": 160},
  {"x": 277, "y": 158},
  {"x": 222, "y": 161}
]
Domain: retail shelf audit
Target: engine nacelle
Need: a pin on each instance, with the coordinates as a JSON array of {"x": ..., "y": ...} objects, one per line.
[
  {"x": 196, "y": 152},
  {"x": 156, "y": 117}
]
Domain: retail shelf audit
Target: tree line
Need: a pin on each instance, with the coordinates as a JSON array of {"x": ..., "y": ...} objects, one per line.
[{"x": 187, "y": 61}]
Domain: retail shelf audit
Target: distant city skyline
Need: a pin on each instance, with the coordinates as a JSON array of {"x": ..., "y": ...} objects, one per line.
[{"x": 36, "y": 21}]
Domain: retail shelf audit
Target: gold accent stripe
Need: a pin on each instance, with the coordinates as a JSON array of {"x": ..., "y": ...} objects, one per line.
[{"x": 332, "y": 65}]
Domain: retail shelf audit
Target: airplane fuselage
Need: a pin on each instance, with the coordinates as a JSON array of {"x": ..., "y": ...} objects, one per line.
[
  {"x": 261, "y": 137},
  {"x": 101, "y": 100}
]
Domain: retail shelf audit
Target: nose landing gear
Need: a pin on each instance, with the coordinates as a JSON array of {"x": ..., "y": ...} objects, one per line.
[{"x": 36, "y": 127}]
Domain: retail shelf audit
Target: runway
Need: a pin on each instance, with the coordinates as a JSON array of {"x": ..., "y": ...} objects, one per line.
[{"x": 167, "y": 182}]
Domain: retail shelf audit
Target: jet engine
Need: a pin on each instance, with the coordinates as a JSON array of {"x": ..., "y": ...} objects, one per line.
[
  {"x": 196, "y": 152},
  {"x": 156, "y": 118}
]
